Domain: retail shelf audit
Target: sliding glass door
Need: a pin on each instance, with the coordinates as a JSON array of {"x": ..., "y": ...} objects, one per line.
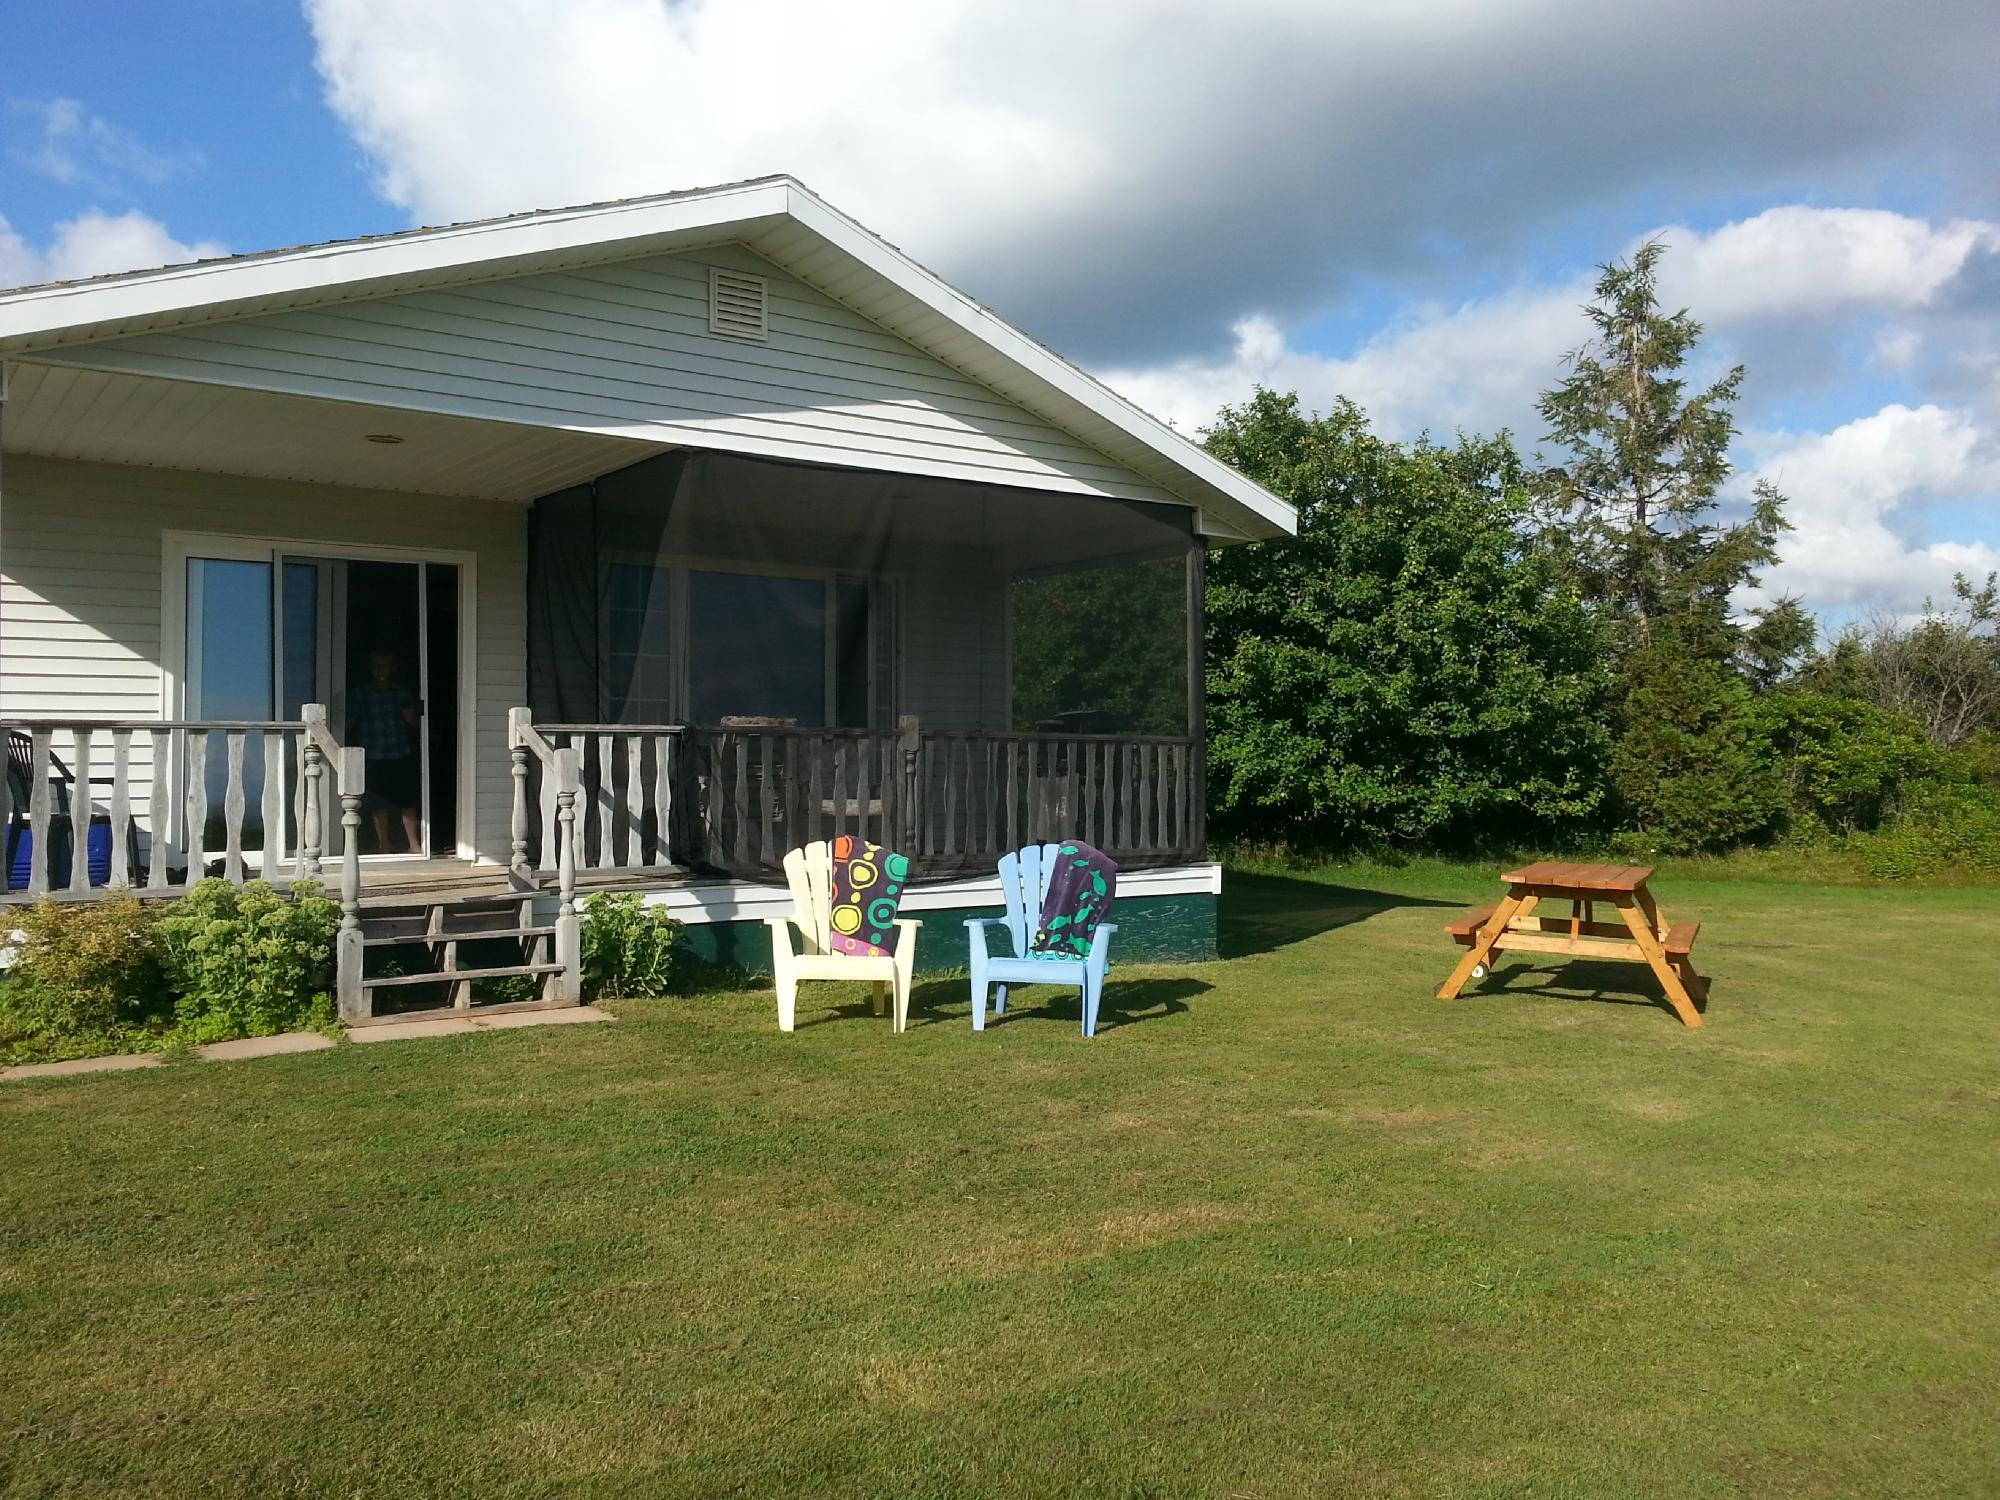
[{"x": 374, "y": 640}]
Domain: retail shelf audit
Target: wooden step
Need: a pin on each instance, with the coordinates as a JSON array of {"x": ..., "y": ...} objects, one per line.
[
  {"x": 477, "y": 934},
  {"x": 459, "y": 976}
]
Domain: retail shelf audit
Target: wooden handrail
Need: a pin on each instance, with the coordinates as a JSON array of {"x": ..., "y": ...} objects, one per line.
[{"x": 212, "y": 726}]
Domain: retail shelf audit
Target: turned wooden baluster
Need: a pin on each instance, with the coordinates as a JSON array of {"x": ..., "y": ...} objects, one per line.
[{"x": 569, "y": 937}]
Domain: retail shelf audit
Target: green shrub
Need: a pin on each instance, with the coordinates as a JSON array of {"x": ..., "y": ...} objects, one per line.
[
  {"x": 85, "y": 972},
  {"x": 1981, "y": 757},
  {"x": 630, "y": 949},
  {"x": 1846, "y": 765},
  {"x": 1692, "y": 767},
  {"x": 247, "y": 961},
  {"x": 1942, "y": 829}
]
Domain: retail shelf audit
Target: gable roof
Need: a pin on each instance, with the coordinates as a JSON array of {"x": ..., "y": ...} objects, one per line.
[{"x": 778, "y": 217}]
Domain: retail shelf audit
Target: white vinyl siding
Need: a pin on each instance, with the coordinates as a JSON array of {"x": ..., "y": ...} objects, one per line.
[
  {"x": 626, "y": 350},
  {"x": 81, "y": 578}
]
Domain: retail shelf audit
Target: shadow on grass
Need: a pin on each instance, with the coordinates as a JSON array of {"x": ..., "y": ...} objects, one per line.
[
  {"x": 1126, "y": 1002},
  {"x": 1260, "y": 913},
  {"x": 948, "y": 1002},
  {"x": 1600, "y": 982}
]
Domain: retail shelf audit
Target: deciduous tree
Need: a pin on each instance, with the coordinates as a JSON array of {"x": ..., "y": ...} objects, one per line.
[{"x": 1406, "y": 669}]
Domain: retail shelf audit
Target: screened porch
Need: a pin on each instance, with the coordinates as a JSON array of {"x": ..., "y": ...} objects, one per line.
[{"x": 746, "y": 655}]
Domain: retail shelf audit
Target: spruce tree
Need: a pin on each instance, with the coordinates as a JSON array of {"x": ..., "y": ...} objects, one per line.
[{"x": 1634, "y": 514}]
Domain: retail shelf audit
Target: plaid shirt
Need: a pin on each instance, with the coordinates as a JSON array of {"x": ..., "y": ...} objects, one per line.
[{"x": 375, "y": 719}]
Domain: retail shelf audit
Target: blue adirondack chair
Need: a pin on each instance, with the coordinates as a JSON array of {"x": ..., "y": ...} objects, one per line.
[{"x": 1024, "y": 881}]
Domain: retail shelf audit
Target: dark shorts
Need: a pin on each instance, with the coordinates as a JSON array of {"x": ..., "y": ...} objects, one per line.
[{"x": 394, "y": 783}]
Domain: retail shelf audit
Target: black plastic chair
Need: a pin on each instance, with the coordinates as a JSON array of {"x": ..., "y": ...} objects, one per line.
[{"x": 21, "y": 772}]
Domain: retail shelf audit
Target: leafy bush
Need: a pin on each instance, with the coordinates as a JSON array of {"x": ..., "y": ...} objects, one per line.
[
  {"x": 1942, "y": 829},
  {"x": 1846, "y": 764},
  {"x": 247, "y": 961},
  {"x": 629, "y": 948},
  {"x": 1404, "y": 671},
  {"x": 1981, "y": 758},
  {"x": 85, "y": 976},
  {"x": 1692, "y": 767}
]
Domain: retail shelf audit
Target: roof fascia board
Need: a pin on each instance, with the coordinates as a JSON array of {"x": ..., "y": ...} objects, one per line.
[{"x": 484, "y": 249}]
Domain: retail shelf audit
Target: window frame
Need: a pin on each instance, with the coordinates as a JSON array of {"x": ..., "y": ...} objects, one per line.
[{"x": 678, "y": 568}]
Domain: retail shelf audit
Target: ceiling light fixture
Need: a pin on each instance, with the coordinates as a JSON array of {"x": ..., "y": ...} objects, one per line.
[{"x": 387, "y": 439}]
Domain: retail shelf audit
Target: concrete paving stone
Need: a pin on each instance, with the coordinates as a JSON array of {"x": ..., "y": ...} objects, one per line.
[
  {"x": 120, "y": 1063},
  {"x": 403, "y": 1031},
  {"x": 266, "y": 1046},
  {"x": 566, "y": 1017}
]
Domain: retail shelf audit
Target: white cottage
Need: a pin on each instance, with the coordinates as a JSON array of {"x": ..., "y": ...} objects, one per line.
[{"x": 672, "y": 532}]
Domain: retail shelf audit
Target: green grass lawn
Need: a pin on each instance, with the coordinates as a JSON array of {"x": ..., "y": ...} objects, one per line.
[{"x": 1288, "y": 1226}]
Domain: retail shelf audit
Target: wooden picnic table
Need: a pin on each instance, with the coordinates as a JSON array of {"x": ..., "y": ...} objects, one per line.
[{"x": 1639, "y": 935}]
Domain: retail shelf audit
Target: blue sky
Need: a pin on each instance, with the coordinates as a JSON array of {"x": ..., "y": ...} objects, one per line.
[{"x": 1398, "y": 203}]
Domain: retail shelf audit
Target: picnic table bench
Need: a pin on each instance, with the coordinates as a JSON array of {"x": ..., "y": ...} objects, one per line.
[{"x": 1640, "y": 933}]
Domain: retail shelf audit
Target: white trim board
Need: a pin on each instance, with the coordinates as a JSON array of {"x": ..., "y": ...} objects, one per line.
[{"x": 752, "y": 901}]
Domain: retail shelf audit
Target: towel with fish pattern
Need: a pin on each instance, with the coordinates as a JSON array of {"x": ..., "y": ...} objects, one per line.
[{"x": 1079, "y": 896}]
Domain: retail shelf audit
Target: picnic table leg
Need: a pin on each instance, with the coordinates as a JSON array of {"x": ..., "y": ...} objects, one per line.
[
  {"x": 1652, "y": 910},
  {"x": 1695, "y": 984},
  {"x": 1642, "y": 933},
  {"x": 1482, "y": 944}
]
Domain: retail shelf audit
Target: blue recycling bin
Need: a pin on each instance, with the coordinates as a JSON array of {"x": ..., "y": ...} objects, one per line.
[{"x": 21, "y": 852}]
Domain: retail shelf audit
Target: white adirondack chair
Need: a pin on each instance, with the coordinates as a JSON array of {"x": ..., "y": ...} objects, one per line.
[{"x": 809, "y": 873}]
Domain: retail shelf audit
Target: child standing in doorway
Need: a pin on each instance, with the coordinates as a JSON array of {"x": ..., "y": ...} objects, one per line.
[{"x": 382, "y": 718}]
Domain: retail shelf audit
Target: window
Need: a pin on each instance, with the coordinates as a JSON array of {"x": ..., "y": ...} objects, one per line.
[
  {"x": 757, "y": 646},
  {"x": 639, "y": 663},
  {"x": 699, "y": 645}
]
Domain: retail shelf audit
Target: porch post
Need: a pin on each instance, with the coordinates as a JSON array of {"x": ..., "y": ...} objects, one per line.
[
  {"x": 1197, "y": 694},
  {"x": 312, "y": 801},
  {"x": 912, "y": 732},
  {"x": 353, "y": 999},
  {"x": 519, "y": 720},
  {"x": 569, "y": 935}
]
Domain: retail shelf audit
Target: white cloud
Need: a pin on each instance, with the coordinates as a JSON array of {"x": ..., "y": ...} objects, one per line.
[
  {"x": 1855, "y": 493},
  {"x": 92, "y": 244},
  {"x": 1474, "y": 368},
  {"x": 1789, "y": 272},
  {"x": 79, "y": 148},
  {"x": 1859, "y": 492},
  {"x": 1800, "y": 260},
  {"x": 1129, "y": 180}
]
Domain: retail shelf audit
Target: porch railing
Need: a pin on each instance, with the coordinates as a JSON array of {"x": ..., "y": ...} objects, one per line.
[
  {"x": 981, "y": 794},
  {"x": 157, "y": 804},
  {"x": 653, "y": 797},
  {"x": 128, "y": 802}
]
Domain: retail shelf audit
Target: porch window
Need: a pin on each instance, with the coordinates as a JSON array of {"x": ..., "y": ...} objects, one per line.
[
  {"x": 697, "y": 645},
  {"x": 756, "y": 645},
  {"x": 639, "y": 655}
]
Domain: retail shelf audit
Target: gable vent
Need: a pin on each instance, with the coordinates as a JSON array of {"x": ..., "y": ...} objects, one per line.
[{"x": 738, "y": 305}]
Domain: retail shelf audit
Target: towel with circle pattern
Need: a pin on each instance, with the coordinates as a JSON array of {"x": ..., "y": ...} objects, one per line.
[{"x": 868, "y": 884}]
